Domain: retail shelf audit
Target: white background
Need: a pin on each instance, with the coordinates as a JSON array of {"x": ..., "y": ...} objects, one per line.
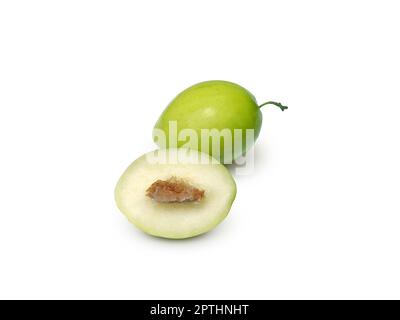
[{"x": 81, "y": 86}]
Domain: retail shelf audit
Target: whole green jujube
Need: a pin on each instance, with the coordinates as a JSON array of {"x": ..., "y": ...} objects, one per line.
[{"x": 220, "y": 105}]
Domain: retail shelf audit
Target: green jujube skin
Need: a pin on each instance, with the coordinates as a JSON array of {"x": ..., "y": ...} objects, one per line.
[{"x": 213, "y": 105}]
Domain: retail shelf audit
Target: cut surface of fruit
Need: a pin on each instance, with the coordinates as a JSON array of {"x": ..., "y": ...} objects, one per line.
[{"x": 175, "y": 193}]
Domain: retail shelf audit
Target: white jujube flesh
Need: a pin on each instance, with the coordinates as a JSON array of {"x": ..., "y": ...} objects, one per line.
[{"x": 176, "y": 220}]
